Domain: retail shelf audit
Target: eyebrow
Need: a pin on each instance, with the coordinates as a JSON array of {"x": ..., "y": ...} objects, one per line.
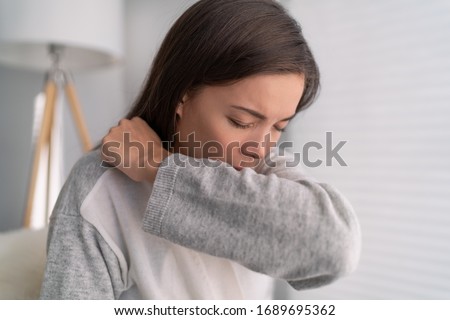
[{"x": 259, "y": 115}]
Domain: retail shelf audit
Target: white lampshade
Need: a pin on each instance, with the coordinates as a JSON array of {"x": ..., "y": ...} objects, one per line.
[{"x": 91, "y": 32}]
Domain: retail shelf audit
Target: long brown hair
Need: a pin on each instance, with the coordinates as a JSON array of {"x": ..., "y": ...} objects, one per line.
[{"x": 218, "y": 42}]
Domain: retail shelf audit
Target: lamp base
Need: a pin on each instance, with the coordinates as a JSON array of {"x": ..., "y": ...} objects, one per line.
[{"x": 55, "y": 78}]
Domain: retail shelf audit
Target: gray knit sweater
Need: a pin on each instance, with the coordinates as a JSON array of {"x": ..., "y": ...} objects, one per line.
[{"x": 197, "y": 232}]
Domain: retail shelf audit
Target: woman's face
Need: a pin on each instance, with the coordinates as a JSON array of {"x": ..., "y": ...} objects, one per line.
[{"x": 238, "y": 123}]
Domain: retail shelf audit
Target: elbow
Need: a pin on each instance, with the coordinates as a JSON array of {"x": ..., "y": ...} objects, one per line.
[
  {"x": 350, "y": 233},
  {"x": 343, "y": 249},
  {"x": 333, "y": 254},
  {"x": 342, "y": 235},
  {"x": 333, "y": 262},
  {"x": 347, "y": 260}
]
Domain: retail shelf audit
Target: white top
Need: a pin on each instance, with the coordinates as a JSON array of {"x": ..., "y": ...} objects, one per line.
[{"x": 157, "y": 265}]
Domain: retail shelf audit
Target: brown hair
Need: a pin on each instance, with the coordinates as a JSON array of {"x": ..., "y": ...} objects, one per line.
[{"x": 219, "y": 42}]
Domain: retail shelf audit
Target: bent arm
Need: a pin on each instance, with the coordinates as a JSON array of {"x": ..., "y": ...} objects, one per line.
[{"x": 296, "y": 229}]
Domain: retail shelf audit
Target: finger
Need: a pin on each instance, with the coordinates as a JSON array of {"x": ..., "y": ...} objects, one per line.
[
  {"x": 139, "y": 120},
  {"x": 110, "y": 154}
]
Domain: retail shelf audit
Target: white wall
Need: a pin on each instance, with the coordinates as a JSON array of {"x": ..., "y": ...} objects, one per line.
[
  {"x": 17, "y": 89},
  {"x": 386, "y": 90},
  {"x": 147, "y": 22}
]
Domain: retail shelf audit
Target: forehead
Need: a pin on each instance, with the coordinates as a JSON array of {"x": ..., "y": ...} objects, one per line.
[{"x": 274, "y": 95}]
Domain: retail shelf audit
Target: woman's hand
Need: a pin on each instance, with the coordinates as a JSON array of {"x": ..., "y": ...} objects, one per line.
[{"x": 134, "y": 148}]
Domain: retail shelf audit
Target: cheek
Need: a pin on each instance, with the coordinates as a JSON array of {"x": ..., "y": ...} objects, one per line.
[
  {"x": 219, "y": 141},
  {"x": 231, "y": 142},
  {"x": 217, "y": 136}
]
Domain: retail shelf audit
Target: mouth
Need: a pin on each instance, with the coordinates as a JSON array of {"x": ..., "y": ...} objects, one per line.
[{"x": 238, "y": 168}]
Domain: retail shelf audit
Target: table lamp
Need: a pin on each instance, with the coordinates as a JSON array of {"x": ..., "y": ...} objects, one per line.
[{"x": 56, "y": 36}]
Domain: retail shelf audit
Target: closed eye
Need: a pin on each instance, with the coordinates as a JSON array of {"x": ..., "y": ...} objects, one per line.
[
  {"x": 281, "y": 129},
  {"x": 240, "y": 125}
]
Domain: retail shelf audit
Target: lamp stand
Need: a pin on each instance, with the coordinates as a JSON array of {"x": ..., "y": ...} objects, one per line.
[{"x": 55, "y": 77}]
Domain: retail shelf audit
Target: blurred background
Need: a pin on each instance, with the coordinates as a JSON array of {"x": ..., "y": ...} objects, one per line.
[{"x": 385, "y": 69}]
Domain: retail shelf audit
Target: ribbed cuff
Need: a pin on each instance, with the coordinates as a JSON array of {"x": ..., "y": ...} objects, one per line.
[{"x": 162, "y": 192}]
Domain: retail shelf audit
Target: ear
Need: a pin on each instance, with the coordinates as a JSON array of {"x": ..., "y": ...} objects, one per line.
[
  {"x": 180, "y": 107},
  {"x": 179, "y": 110}
]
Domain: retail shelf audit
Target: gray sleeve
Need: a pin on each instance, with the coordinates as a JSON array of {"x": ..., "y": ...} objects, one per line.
[
  {"x": 80, "y": 264},
  {"x": 276, "y": 221}
]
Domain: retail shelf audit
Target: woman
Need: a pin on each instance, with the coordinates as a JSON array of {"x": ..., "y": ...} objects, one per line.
[{"x": 200, "y": 204}]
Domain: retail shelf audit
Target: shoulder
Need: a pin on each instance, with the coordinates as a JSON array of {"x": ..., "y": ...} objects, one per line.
[
  {"x": 82, "y": 178},
  {"x": 88, "y": 169}
]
